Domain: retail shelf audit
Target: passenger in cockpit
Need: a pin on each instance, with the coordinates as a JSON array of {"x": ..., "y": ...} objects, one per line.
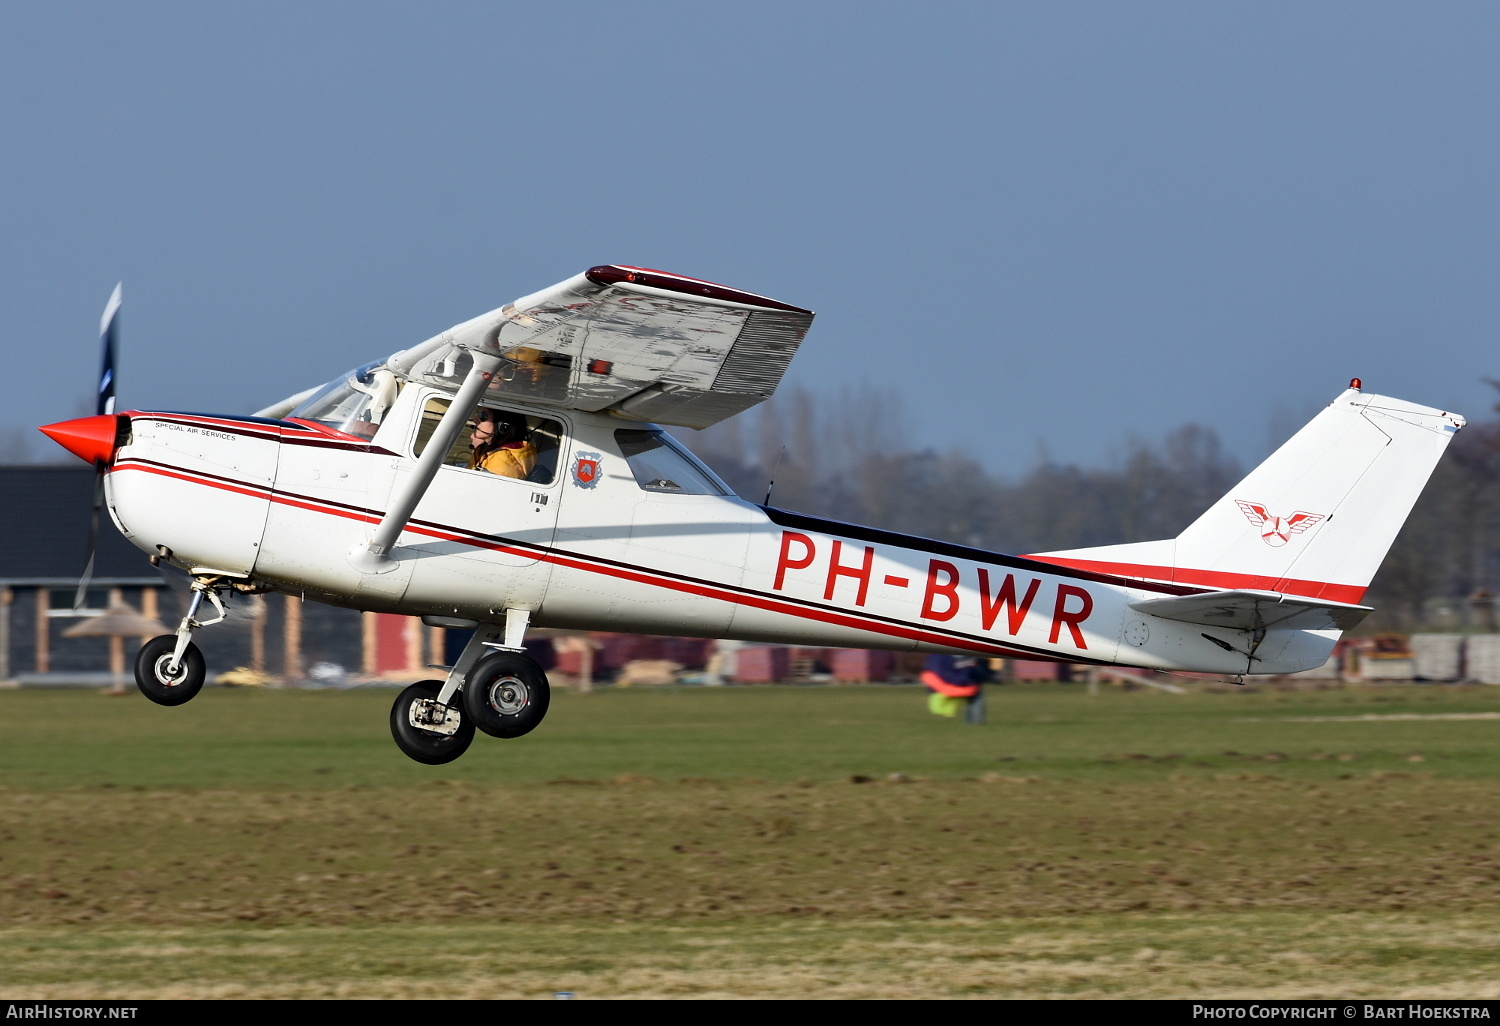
[{"x": 500, "y": 444}]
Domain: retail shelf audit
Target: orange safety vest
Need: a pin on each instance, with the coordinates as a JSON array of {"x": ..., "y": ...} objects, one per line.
[
  {"x": 942, "y": 687},
  {"x": 514, "y": 460}
]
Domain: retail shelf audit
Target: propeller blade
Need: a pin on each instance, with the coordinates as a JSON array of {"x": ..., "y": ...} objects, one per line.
[
  {"x": 109, "y": 326},
  {"x": 109, "y": 331},
  {"x": 88, "y": 568}
]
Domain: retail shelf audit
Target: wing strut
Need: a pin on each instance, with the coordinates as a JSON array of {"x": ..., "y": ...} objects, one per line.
[{"x": 375, "y": 557}]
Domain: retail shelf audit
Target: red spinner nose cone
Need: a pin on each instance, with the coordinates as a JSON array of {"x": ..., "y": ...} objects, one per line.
[{"x": 91, "y": 439}]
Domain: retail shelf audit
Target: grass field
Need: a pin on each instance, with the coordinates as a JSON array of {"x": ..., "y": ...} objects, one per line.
[{"x": 757, "y": 841}]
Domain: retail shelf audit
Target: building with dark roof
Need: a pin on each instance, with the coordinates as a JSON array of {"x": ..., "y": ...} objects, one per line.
[{"x": 44, "y": 524}]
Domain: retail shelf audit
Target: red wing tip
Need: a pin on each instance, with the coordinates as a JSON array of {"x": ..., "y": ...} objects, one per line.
[{"x": 615, "y": 274}]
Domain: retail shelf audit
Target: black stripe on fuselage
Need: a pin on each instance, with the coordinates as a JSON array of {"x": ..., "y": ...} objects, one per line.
[{"x": 801, "y": 521}]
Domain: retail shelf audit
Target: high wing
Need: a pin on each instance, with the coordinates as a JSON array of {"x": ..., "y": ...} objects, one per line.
[
  {"x": 646, "y": 344},
  {"x": 1252, "y": 610}
]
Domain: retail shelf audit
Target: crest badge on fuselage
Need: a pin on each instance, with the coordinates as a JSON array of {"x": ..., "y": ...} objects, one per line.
[{"x": 586, "y": 469}]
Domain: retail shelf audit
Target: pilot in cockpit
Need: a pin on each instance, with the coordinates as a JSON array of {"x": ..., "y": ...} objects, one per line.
[{"x": 500, "y": 444}]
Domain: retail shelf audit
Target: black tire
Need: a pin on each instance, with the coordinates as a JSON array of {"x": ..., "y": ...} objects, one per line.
[
  {"x": 431, "y": 747},
  {"x": 151, "y": 675},
  {"x": 506, "y": 694}
]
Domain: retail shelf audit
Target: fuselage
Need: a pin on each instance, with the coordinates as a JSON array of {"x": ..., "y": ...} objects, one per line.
[{"x": 598, "y": 546}]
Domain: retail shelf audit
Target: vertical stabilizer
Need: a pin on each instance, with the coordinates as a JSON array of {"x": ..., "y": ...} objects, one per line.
[{"x": 1315, "y": 519}]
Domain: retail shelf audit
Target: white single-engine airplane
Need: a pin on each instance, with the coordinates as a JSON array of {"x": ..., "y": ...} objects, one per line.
[{"x": 363, "y": 493}]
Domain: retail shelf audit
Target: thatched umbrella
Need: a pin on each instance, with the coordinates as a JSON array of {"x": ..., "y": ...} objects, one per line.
[{"x": 117, "y": 623}]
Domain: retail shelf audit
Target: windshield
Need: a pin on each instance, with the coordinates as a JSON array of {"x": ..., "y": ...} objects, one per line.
[{"x": 355, "y": 403}]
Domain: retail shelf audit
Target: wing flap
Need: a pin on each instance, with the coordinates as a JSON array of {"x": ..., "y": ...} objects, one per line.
[{"x": 1253, "y": 610}]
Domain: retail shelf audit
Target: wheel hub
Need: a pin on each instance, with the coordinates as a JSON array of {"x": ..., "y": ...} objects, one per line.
[
  {"x": 167, "y": 674},
  {"x": 509, "y": 695}
]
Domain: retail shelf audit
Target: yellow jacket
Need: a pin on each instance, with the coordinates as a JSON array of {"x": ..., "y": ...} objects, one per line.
[{"x": 514, "y": 460}]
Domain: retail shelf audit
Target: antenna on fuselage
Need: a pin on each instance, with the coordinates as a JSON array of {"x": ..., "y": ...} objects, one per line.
[{"x": 772, "y": 482}]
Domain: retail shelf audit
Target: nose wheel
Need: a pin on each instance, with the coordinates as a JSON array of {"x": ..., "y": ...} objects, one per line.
[{"x": 165, "y": 678}]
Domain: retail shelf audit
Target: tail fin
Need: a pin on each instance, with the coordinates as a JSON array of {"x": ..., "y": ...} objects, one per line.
[{"x": 1315, "y": 519}]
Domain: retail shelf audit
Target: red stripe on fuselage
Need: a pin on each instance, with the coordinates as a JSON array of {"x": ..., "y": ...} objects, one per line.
[
  {"x": 1349, "y": 593},
  {"x": 191, "y": 477}
]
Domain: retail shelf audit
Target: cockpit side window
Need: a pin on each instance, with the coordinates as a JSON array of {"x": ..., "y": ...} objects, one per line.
[
  {"x": 355, "y": 404},
  {"x": 498, "y": 441},
  {"x": 660, "y": 464}
]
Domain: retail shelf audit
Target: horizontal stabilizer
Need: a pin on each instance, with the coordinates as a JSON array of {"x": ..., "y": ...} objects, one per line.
[{"x": 1253, "y": 610}]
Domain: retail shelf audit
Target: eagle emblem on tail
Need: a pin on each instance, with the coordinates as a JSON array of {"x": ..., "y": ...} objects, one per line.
[{"x": 1277, "y": 531}]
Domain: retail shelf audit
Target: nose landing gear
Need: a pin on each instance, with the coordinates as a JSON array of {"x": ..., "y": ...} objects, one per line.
[{"x": 170, "y": 669}]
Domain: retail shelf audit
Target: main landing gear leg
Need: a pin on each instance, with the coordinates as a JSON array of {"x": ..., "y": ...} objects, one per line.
[
  {"x": 507, "y": 694},
  {"x": 493, "y": 686},
  {"x": 428, "y": 722},
  {"x": 170, "y": 669},
  {"x": 486, "y": 635}
]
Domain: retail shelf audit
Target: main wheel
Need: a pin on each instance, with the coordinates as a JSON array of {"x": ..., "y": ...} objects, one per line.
[
  {"x": 426, "y": 731},
  {"x": 155, "y": 676},
  {"x": 506, "y": 694}
]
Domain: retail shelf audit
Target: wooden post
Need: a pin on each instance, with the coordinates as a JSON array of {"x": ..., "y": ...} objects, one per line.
[
  {"x": 369, "y": 643},
  {"x": 258, "y": 612},
  {"x": 414, "y": 646},
  {"x": 582, "y": 646},
  {"x": 117, "y": 664},
  {"x": 586, "y": 667},
  {"x": 6, "y": 598},
  {"x": 116, "y": 648},
  {"x": 437, "y": 646},
  {"x": 43, "y": 629},
  {"x": 149, "y": 608},
  {"x": 292, "y": 649}
]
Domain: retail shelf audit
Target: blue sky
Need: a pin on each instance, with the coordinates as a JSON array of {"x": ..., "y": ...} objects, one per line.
[{"x": 1070, "y": 222}]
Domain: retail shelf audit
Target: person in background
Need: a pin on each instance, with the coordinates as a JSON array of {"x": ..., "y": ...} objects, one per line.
[
  {"x": 500, "y": 444},
  {"x": 955, "y": 682}
]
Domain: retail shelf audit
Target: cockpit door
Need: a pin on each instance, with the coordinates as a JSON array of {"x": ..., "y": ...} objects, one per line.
[{"x": 507, "y": 516}]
